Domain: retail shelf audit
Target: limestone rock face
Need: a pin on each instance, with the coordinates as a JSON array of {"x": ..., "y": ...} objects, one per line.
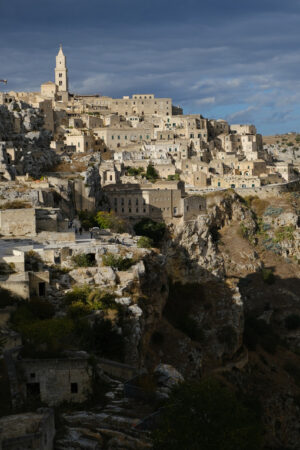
[
  {"x": 167, "y": 378},
  {"x": 21, "y": 128}
]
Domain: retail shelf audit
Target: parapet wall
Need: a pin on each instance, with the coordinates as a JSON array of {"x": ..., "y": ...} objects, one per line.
[{"x": 270, "y": 190}]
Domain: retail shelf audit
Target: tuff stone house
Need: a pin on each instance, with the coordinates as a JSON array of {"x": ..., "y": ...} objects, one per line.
[{"x": 54, "y": 381}]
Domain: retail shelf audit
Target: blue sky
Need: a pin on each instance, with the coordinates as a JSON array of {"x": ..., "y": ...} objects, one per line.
[{"x": 238, "y": 60}]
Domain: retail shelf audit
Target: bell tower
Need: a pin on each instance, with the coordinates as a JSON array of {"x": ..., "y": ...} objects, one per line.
[{"x": 61, "y": 72}]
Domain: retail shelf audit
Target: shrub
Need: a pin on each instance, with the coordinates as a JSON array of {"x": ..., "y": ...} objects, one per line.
[
  {"x": 284, "y": 233},
  {"x": 292, "y": 322},
  {"x": 151, "y": 173},
  {"x": 87, "y": 219},
  {"x": 78, "y": 309},
  {"x": 110, "y": 220},
  {"x": 268, "y": 276},
  {"x": 32, "y": 261},
  {"x": 98, "y": 299},
  {"x": 133, "y": 171},
  {"x": 243, "y": 231},
  {"x": 83, "y": 260},
  {"x": 15, "y": 204},
  {"x": 117, "y": 262},
  {"x": 78, "y": 294},
  {"x": 175, "y": 177},
  {"x": 32, "y": 311},
  {"x": 47, "y": 337},
  {"x": 104, "y": 340},
  {"x": 206, "y": 415},
  {"x": 150, "y": 229},
  {"x": 145, "y": 242}
]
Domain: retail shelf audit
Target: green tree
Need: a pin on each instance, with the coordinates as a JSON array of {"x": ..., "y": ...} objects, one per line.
[
  {"x": 87, "y": 219},
  {"x": 110, "y": 220},
  {"x": 150, "y": 229},
  {"x": 151, "y": 173},
  {"x": 207, "y": 416}
]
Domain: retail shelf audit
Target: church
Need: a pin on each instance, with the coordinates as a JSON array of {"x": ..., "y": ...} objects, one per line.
[{"x": 58, "y": 90}]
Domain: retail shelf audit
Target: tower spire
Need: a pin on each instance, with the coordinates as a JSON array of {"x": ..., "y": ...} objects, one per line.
[{"x": 61, "y": 71}]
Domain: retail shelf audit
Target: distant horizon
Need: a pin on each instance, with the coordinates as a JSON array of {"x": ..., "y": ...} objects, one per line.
[{"x": 235, "y": 61}]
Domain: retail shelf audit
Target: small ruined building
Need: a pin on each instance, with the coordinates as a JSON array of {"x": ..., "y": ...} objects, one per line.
[{"x": 33, "y": 430}]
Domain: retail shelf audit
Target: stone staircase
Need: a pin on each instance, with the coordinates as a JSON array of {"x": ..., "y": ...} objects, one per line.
[{"x": 110, "y": 427}]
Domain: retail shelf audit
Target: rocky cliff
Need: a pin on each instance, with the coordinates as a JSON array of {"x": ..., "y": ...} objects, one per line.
[{"x": 21, "y": 128}]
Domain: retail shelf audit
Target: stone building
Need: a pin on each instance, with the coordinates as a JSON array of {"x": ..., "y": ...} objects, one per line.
[
  {"x": 235, "y": 181},
  {"x": 115, "y": 137},
  {"x": 54, "y": 381},
  {"x": 163, "y": 200},
  {"x": 32, "y": 430},
  {"x": 81, "y": 141}
]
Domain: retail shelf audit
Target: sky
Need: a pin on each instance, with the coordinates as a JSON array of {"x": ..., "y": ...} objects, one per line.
[{"x": 237, "y": 59}]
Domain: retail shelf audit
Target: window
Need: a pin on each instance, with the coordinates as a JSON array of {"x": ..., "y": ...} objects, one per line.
[
  {"x": 122, "y": 210},
  {"x": 219, "y": 183},
  {"x": 42, "y": 289},
  {"x": 60, "y": 83},
  {"x": 32, "y": 375},
  {"x": 137, "y": 210},
  {"x": 60, "y": 75},
  {"x": 129, "y": 210},
  {"x": 119, "y": 137},
  {"x": 125, "y": 137},
  {"x": 74, "y": 388}
]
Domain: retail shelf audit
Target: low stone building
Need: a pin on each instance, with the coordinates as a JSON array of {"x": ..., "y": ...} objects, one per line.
[
  {"x": 32, "y": 430},
  {"x": 235, "y": 181},
  {"x": 54, "y": 381}
]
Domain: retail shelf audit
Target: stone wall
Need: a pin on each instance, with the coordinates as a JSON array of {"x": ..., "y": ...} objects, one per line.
[
  {"x": 117, "y": 370},
  {"x": 271, "y": 189},
  {"x": 17, "y": 222}
]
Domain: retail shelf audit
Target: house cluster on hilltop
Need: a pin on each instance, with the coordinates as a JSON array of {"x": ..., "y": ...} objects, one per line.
[{"x": 140, "y": 130}]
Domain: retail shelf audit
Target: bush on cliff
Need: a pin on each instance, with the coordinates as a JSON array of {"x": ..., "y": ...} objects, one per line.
[
  {"x": 205, "y": 415},
  {"x": 150, "y": 229}
]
